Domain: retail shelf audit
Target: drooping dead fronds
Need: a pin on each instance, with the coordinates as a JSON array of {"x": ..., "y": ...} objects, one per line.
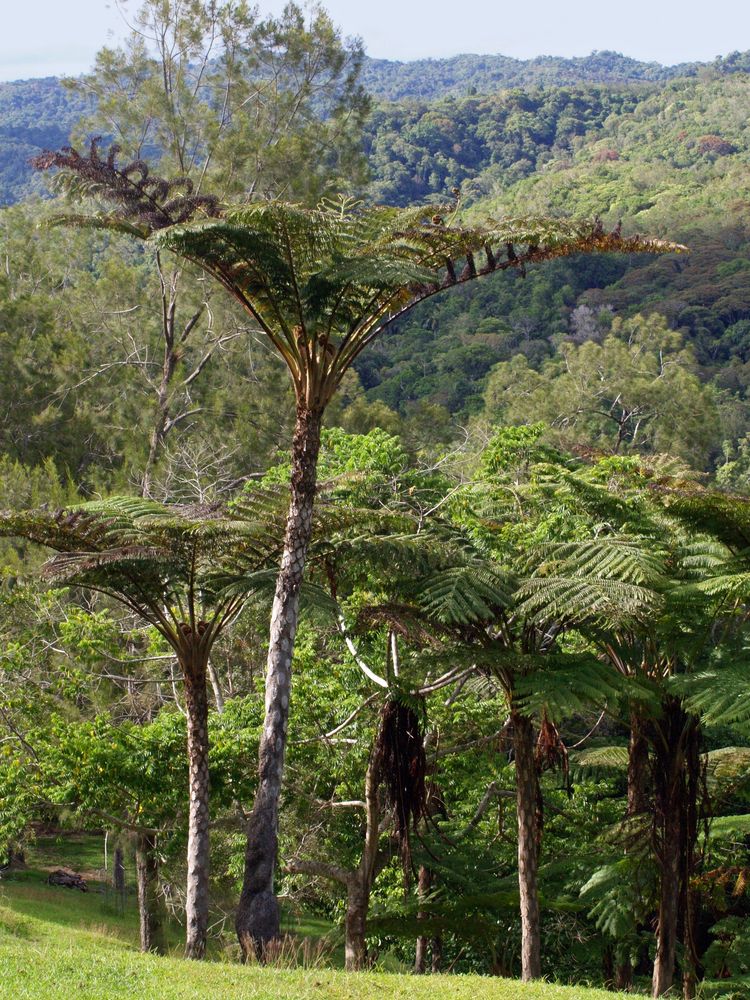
[
  {"x": 400, "y": 768},
  {"x": 551, "y": 753},
  {"x": 143, "y": 202}
]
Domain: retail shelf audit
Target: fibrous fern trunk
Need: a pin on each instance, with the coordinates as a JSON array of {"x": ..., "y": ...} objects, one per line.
[
  {"x": 678, "y": 787},
  {"x": 638, "y": 803},
  {"x": 257, "y": 920},
  {"x": 198, "y": 855},
  {"x": 527, "y": 802},
  {"x": 149, "y": 911}
]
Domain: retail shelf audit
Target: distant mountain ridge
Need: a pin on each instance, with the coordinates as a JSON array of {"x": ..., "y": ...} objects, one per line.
[
  {"x": 40, "y": 113},
  {"x": 462, "y": 74}
]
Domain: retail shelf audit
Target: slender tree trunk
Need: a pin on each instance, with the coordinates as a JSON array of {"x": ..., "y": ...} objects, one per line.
[
  {"x": 149, "y": 910},
  {"x": 638, "y": 802},
  {"x": 161, "y": 421},
  {"x": 357, "y": 904},
  {"x": 257, "y": 920},
  {"x": 677, "y": 789},
  {"x": 437, "y": 953},
  {"x": 424, "y": 883},
  {"x": 358, "y": 882},
  {"x": 360, "y": 885},
  {"x": 527, "y": 800},
  {"x": 174, "y": 342},
  {"x": 216, "y": 688},
  {"x": 198, "y": 854},
  {"x": 669, "y": 896}
]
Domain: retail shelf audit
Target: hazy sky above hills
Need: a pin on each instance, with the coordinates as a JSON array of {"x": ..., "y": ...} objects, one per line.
[{"x": 50, "y": 37}]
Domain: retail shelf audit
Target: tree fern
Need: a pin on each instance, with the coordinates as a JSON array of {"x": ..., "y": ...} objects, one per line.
[{"x": 466, "y": 594}]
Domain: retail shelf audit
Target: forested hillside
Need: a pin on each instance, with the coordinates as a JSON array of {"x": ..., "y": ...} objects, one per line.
[
  {"x": 671, "y": 161},
  {"x": 374, "y": 533},
  {"x": 38, "y": 114},
  {"x": 668, "y": 156}
]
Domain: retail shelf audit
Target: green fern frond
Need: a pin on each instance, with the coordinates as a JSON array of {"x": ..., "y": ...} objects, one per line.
[
  {"x": 612, "y": 757},
  {"x": 562, "y": 685},
  {"x": 630, "y": 559},
  {"x": 576, "y": 600},
  {"x": 465, "y": 594},
  {"x": 721, "y": 696}
]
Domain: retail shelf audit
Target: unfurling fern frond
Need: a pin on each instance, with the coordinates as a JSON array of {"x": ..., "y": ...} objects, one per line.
[{"x": 144, "y": 202}]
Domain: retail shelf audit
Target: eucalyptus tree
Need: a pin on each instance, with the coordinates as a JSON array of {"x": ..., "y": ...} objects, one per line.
[
  {"x": 186, "y": 571},
  {"x": 321, "y": 285}
]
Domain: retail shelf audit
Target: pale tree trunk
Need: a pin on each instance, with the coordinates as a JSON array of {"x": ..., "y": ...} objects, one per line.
[
  {"x": 198, "y": 854},
  {"x": 527, "y": 802},
  {"x": 360, "y": 884},
  {"x": 257, "y": 920},
  {"x": 216, "y": 688},
  {"x": 149, "y": 909},
  {"x": 161, "y": 421},
  {"x": 174, "y": 342}
]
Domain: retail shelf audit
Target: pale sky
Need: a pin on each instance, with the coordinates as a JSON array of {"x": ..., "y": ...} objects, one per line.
[{"x": 54, "y": 37}]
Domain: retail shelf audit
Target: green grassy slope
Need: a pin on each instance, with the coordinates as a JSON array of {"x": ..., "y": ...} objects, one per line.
[
  {"x": 57, "y": 943},
  {"x": 47, "y": 959}
]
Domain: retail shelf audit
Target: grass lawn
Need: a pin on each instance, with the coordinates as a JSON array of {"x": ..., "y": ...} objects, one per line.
[
  {"x": 43, "y": 960},
  {"x": 60, "y": 944}
]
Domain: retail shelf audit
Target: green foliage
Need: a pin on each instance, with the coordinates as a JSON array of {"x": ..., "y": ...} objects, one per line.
[
  {"x": 635, "y": 390},
  {"x": 729, "y": 952}
]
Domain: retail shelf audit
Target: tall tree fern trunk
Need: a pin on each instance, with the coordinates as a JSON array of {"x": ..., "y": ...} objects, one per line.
[
  {"x": 638, "y": 802},
  {"x": 149, "y": 910},
  {"x": 678, "y": 786},
  {"x": 527, "y": 802},
  {"x": 257, "y": 920},
  {"x": 198, "y": 854},
  {"x": 424, "y": 884},
  {"x": 669, "y": 897}
]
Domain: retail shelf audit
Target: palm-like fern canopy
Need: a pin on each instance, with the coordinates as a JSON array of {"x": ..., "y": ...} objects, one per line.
[
  {"x": 322, "y": 283},
  {"x": 177, "y": 567}
]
